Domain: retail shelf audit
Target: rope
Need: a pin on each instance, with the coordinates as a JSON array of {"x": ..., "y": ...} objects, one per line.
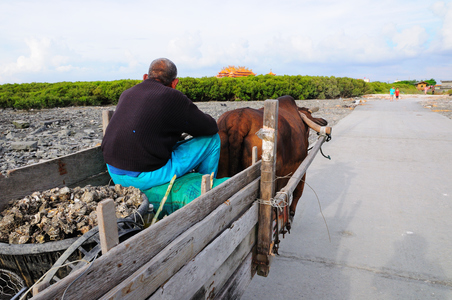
[
  {"x": 328, "y": 138},
  {"x": 276, "y": 177},
  {"x": 276, "y": 203},
  {"x": 326, "y": 156},
  {"x": 162, "y": 203},
  {"x": 320, "y": 208},
  {"x": 42, "y": 277},
  {"x": 135, "y": 213},
  {"x": 83, "y": 273},
  {"x": 289, "y": 199},
  {"x": 272, "y": 202}
]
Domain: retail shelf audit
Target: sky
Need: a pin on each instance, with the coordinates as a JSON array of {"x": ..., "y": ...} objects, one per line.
[{"x": 91, "y": 40}]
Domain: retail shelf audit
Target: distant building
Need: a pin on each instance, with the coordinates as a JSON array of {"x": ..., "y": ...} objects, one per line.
[
  {"x": 232, "y": 71},
  {"x": 365, "y": 79},
  {"x": 271, "y": 73},
  {"x": 445, "y": 86},
  {"x": 421, "y": 85}
]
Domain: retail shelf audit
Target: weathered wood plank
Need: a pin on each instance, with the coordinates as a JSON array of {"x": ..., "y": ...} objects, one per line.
[
  {"x": 254, "y": 157},
  {"x": 108, "y": 229},
  {"x": 63, "y": 171},
  {"x": 95, "y": 180},
  {"x": 121, "y": 261},
  {"x": 221, "y": 276},
  {"x": 106, "y": 116},
  {"x": 269, "y": 142},
  {"x": 166, "y": 263},
  {"x": 239, "y": 281},
  {"x": 191, "y": 277},
  {"x": 40, "y": 287},
  {"x": 205, "y": 184}
]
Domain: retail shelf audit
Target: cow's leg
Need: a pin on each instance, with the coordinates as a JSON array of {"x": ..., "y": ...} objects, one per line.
[{"x": 296, "y": 196}]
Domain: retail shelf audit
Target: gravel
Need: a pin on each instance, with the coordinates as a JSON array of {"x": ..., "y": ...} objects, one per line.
[{"x": 33, "y": 136}]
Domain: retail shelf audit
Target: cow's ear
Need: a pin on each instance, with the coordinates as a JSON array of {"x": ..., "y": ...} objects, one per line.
[{"x": 304, "y": 110}]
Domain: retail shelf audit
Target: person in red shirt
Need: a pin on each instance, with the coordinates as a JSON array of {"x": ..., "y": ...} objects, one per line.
[{"x": 397, "y": 93}]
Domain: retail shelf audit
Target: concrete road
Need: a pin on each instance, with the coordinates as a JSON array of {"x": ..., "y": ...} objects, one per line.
[{"x": 386, "y": 196}]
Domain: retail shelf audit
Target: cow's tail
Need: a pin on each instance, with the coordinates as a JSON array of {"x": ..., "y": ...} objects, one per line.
[{"x": 235, "y": 152}]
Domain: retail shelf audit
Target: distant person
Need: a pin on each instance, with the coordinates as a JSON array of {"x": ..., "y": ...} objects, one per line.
[
  {"x": 397, "y": 93},
  {"x": 433, "y": 89},
  {"x": 391, "y": 94},
  {"x": 142, "y": 145},
  {"x": 426, "y": 89}
]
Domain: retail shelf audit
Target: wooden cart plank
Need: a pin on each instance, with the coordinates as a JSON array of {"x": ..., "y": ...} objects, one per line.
[
  {"x": 127, "y": 257},
  {"x": 192, "y": 276},
  {"x": 165, "y": 264},
  {"x": 215, "y": 284},
  {"x": 239, "y": 281},
  {"x": 63, "y": 171},
  {"x": 108, "y": 229}
]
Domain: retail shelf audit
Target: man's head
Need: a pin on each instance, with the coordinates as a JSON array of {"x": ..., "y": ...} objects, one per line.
[{"x": 163, "y": 70}]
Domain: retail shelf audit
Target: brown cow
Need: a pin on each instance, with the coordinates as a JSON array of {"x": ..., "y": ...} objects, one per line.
[{"x": 237, "y": 130}]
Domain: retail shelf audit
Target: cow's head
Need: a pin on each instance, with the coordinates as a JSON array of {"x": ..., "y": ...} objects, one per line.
[
  {"x": 316, "y": 124},
  {"x": 288, "y": 102},
  {"x": 308, "y": 113}
]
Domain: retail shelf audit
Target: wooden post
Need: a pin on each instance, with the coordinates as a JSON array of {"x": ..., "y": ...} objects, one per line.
[
  {"x": 40, "y": 287},
  {"x": 106, "y": 116},
  {"x": 108, "y": 229},
  {"x": 254, "y": 155},
  {"x": 205, "y": 184},
  {"x": 267, "y": 190}
]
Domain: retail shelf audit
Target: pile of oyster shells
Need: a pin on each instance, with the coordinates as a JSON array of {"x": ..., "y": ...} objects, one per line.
[{"x": 62, "y": 213}]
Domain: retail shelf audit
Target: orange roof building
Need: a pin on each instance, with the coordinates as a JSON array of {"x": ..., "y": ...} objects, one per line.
[
  {"x": 271, "y": 73},
  {"x": 232, "y": 71}
]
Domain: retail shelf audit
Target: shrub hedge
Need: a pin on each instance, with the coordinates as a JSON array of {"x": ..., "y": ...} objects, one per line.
[{"x": 261, "y": 87}]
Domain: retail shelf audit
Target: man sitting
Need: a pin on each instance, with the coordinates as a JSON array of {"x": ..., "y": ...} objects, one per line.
[{"x": 142, "y": 145}]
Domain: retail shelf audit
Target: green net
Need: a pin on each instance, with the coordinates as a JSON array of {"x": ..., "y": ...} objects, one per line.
[{"x": 185, "y": 189}]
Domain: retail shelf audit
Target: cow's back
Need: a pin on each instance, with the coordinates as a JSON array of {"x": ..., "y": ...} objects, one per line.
[{"x": 237, "y": 130}]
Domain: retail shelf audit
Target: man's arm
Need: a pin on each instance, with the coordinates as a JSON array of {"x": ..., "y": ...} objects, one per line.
[{"x": 200, "y": 123}]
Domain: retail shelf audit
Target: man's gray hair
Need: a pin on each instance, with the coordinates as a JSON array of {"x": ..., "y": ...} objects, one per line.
[{"x": 163, "y": 70}]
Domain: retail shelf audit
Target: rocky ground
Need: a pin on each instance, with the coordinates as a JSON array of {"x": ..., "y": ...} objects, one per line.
[
  {"x": 29, "y": 137},
  {"x": 441, "y": 105}
]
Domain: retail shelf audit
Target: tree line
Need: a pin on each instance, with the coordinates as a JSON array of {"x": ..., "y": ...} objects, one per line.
[{"x": 261, "y": 87}]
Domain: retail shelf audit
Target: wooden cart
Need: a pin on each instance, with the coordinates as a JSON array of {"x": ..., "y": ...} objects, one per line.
[{"x": 209, "y": 249}]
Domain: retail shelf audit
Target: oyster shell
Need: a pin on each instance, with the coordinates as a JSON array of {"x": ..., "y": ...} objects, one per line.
[{"x": 62, "y": 213}]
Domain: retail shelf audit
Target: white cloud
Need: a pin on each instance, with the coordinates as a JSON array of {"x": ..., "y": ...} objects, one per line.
[
  {"x": 133, "y": 65},
  {"x": 411, "y": 41},
  {"x": 43, "y": 56},
  {"x": 187, "y": 47},
  {"x": 115, "y": 40},
  {"x": 64, "y": 69},
  {"x": 439, "y": 8},
  {"x": 447, "y": 27}
]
